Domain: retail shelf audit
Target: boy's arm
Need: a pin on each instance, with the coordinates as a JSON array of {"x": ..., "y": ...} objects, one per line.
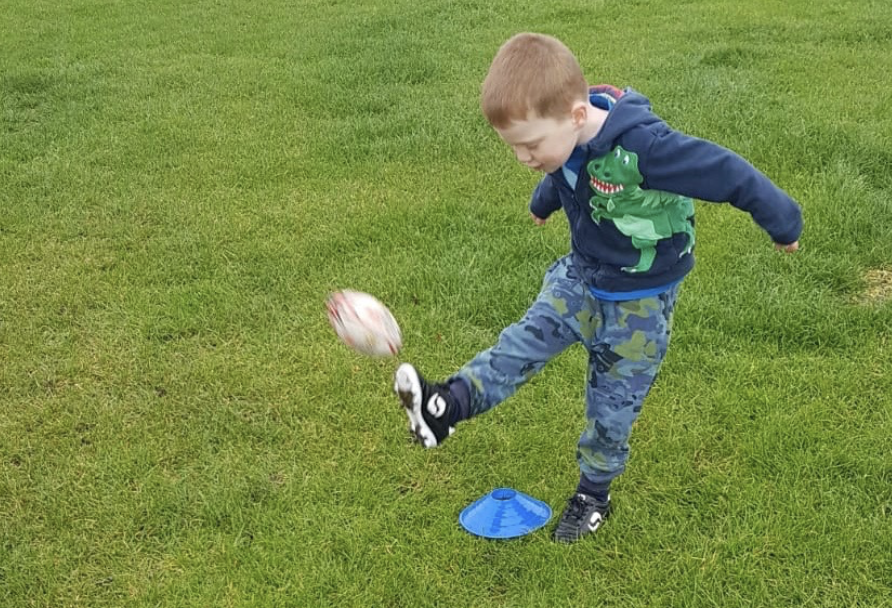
[
  {"x": 701, "y": 169},
  {"x": 545, "y": 200}
]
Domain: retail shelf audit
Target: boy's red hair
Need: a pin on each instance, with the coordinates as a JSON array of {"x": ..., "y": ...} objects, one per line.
[{"x": 532, "y": 75}]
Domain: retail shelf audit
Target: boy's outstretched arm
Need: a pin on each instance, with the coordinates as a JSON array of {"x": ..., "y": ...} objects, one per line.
[{"x": 704, "y": 170}]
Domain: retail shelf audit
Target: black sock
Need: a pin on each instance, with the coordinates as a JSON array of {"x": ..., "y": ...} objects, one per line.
[
  {"x": 598, "y": 491},
  {"x": 462, "y": 394}
]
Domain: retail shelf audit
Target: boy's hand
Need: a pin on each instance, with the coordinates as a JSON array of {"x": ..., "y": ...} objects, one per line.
[
  {"x": 787, "y": 248},
  {"x": 539, "y": 221}
]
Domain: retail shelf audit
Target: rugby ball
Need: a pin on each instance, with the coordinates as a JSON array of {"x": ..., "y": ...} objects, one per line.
[{"x": 364, "y": 324}]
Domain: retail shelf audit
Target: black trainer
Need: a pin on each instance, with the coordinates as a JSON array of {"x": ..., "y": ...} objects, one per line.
[
  {"x": 584, "y": 514},
  {"x": 428, "y": 406}
]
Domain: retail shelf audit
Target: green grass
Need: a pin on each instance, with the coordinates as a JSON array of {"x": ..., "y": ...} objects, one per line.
[{"x": 181, "y": 185}]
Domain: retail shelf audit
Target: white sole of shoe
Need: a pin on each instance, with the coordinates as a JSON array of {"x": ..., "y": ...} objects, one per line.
[{"x": 407, "y": 385}]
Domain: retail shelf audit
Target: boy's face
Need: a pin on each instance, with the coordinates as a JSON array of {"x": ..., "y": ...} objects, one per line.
[{"x": 543, "y": 144}]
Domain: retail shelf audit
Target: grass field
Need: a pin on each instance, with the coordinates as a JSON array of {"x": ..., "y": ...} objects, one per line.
[{"x": 181, "y": 185}]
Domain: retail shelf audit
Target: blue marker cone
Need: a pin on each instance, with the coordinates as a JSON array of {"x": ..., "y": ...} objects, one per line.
[{"x": 504, "y": 513}]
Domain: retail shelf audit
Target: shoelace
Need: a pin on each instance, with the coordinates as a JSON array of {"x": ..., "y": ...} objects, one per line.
[{"x": 575, "y": 508}]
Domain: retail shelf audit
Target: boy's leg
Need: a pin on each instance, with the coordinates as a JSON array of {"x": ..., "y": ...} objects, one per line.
[
  {"x": 625, "y": 354},
  {"x": 549, "y": 326},
  {"x": 624, "y": 361}
]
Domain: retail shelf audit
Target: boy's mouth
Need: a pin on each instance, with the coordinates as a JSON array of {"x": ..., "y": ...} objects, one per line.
[{"x": 605, "y": 188}]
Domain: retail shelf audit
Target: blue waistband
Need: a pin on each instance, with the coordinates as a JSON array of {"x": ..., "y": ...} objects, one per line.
[{"x": 623, "y": 296}]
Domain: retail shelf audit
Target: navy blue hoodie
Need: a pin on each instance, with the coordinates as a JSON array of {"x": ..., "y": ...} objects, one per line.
[{"x": 667, "y": 161}]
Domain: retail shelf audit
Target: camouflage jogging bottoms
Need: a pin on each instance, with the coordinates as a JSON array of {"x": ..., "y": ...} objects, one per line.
[{"x": 626, "y": 343}]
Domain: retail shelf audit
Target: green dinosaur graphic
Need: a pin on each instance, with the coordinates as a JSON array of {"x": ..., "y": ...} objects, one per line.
[{"x": 647, "y": 216}]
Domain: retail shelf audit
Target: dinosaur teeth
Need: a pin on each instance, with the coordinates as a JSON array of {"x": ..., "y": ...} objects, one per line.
[{"x": 604, "y": 187}]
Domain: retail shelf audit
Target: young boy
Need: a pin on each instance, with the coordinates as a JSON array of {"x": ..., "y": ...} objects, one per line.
[{"x": 625, "y": 180}]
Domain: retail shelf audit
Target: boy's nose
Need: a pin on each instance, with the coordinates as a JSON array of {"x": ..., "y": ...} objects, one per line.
[{"x": 523, "y": 155}]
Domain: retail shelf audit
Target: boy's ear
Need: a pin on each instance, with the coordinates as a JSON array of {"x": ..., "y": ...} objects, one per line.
[{"x": 578, "y": 114}]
